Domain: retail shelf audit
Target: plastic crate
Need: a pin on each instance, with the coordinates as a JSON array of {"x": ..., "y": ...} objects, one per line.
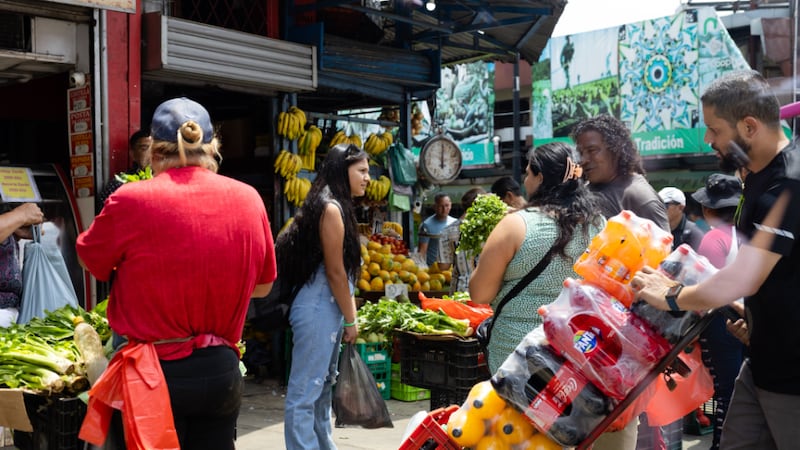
[
  {"x": 446, "y": 364},
  {"x": 56, "y": 422},
  {"x": 692, "y": 426},
  {"x": 404, "y": 392},
  {"x": 429, "y": 434},
  {"x": 444, "y": 398},
  {"x": 383, "y": 377},
  {"x": 373, "y": 352}
]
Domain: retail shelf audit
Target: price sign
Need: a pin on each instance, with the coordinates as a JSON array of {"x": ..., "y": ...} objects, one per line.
[
  {"x": 17, "y": 185},
  {"x": 396, "y": 290}
]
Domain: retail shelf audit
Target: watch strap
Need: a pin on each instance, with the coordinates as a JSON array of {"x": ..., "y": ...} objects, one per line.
[{"x": 672, "y": 297}]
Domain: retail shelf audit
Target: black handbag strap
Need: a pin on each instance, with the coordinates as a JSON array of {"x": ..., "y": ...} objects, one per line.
[{"x": 544, "y": 262}]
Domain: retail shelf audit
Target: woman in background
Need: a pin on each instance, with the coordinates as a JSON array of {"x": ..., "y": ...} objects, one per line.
[
  {"x": 319, "y": 260},
  {"x": 185, "y": 267}
]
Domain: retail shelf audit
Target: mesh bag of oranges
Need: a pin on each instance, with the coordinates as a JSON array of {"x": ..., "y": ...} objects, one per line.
[{"x": 485, "y": 421}]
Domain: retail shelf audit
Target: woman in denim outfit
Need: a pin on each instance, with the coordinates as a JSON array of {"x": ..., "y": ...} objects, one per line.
[{"x": 319, "y": 259}]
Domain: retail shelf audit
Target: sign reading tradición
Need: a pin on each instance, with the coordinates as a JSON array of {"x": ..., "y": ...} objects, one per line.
[{"x": 648, "y": 74}]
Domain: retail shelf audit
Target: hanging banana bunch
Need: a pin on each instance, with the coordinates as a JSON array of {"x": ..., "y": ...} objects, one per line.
[
  {"x": 378, "y": 143},
  {"x": 287, "y": 164},
  {"x": 392, "y": 227},
  {"x": 292, "y": 123},
  {"x": 296, "y": 189},
  {"x": 341, "y": 138},
  {"x": 378, "y": 189},
  {"x": 307, "y": 147}
]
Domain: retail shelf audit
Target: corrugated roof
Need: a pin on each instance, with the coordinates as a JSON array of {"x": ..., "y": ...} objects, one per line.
[
  {"x": 464, "y": 30},
  {"x": 487, "y": 30}
]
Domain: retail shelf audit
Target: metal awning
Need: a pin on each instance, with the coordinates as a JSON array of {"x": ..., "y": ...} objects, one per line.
[
  {"x": 462, "y": 30},
  {"x": 392, "y": 50},
  {"x": 183, "y": 51}
]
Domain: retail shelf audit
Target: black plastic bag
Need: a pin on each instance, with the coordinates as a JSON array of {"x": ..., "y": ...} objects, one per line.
[{"x": 356, "y": 398}]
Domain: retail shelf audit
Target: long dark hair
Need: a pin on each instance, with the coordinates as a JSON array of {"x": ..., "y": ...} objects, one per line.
[
  {"x": 618, "y": 141},
  {"x": 298, "y": 250},
  {"x": 563, "y": 193}
]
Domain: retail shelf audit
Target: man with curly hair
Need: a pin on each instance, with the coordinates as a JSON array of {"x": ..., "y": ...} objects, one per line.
[{"x": 613, "y": 167}]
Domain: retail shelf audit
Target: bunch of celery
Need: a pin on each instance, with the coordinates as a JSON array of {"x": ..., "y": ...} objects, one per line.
[{"x": 42, "y": 355}]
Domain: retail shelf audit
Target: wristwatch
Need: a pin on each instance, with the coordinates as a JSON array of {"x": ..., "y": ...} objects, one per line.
[{"x": 672, "y": 297}]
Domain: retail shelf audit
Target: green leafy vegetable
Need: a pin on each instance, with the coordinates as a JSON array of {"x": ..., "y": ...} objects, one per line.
[
  {"x": 479, "y": 221},
  {"x": 387, "y": 315}
]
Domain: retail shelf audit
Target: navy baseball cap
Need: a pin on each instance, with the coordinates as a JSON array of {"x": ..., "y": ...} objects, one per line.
[{"x": 171, "y": 114}]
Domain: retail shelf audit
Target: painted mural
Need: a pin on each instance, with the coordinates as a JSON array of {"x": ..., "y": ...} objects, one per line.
[{"x": 649, "y": 74}]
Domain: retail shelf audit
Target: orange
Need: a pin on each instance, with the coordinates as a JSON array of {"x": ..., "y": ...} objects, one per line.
[
  {"x": 408, "y": 264},
  {"x": 448, "y": 275},
  {"x": 416, "y": 286},
  {"x": 426, "y": 286},
  {"x": 485, "y": 402},
  {"x": 376, "y": 284},
  {"x": 374, "y": 269},
  {"x": 363, "y": 285},
  {"x": 387, "y": 264},
  {"x": 491, "y": 442},
  {"x": 512, "y": 427},
  {"x": 365, "y": 259},
  {"x": 376, "y": 257},
  {"x": 384, "y": 275},
  {"x": 365, "y": 275},
  {"x": 404, "y": 275},
  {"x": 540, "y": 441},
  {"x": 465, "y": 429},
  {"x": 423, "y": 276},
  {"x": 372, "y": 245},
  {"x": 386, "y": 249},
  {"x": 435, "y": 285},
  {"x": 399, "y": 258}
]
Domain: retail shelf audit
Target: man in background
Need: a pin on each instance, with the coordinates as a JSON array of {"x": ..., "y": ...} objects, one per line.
[
  {"x": 448, "y": 243},
  {"x": 431, "y": 228},
  {"x": 683, "y": 229},
  {"x": 139, "y": 158}
]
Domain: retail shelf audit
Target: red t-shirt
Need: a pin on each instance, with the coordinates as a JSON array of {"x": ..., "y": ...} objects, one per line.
[{"x": 189, "y": 246}]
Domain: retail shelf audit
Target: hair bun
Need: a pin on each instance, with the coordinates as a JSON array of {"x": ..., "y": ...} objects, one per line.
[{"x": 191, "y": 132}]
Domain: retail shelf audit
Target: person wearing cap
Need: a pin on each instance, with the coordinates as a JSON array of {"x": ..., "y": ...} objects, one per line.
[
  {"x": 722, "y": 352},
  {"x": 185, "y": 269},
  {"x": 683, "y": 229},
  {"x": 742, "y": 117}
]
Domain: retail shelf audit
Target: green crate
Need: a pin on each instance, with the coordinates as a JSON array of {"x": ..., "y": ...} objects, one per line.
[
  {"x": 373, "y": 352},
  {"x": 404, "y": 392},
  {"x": 383, "y": 377}
]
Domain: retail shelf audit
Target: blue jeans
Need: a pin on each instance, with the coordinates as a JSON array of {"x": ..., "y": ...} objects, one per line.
[{"x": 316, "y": 322}]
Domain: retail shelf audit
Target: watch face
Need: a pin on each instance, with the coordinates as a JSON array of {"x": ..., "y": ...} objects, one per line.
[{"x": 441, "y": 160}]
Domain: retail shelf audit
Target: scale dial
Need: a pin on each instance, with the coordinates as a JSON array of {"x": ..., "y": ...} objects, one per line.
[{"x": 440, "y": 160}]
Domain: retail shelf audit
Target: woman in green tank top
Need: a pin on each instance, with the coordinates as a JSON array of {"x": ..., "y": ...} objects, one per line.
[{"x": 561, "y": 214}]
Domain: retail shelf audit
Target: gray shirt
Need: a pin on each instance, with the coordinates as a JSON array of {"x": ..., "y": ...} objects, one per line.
[{"x": 632, "y": 193}]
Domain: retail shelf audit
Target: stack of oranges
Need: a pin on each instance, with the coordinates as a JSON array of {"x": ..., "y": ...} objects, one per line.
[
  {"x": 381, "y": 267},
  {"x": 486, "y": 422}
]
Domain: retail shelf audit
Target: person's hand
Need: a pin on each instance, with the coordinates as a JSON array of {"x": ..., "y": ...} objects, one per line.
[
  {"x": 350, "y": 334},
  {"x": 651, "y": 286},
  {"x": 29, "y": 213},
  {"x": 738, "y": 328}
]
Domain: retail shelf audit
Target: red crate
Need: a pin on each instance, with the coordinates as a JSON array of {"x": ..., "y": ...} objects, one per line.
[{"x": 431, "y": 430}]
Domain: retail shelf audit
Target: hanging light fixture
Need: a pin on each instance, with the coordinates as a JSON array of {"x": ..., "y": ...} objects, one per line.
[{"x": 430, "y": 5}]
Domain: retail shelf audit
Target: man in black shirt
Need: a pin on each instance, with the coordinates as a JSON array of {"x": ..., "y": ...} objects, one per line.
[
  {"x": 740, "y": 108},
  {"x": 683, "y": 229}
]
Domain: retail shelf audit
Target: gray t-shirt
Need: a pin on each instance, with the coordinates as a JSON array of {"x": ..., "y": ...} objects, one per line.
[{"x": 632, "y": 193}]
